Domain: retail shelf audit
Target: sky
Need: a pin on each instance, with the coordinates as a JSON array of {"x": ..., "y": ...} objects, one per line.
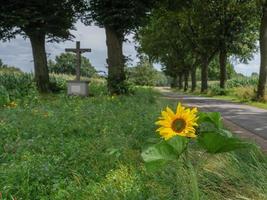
[{"x": 18, "y": 51}]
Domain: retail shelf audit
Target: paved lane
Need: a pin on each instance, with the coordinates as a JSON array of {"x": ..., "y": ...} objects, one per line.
[{"x": 250, "y": 118}]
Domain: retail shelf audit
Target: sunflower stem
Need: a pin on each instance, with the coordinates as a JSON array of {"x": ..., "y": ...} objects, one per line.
[{"x": 192, "y": 175}]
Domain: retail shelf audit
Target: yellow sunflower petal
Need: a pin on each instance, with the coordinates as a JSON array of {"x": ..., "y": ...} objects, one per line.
[
  {"x": 170, "y": 112},
  {"x": 165, "y": 115},
  {"x": 182, "y": 123},
  {"x": 163, "y": 123}
]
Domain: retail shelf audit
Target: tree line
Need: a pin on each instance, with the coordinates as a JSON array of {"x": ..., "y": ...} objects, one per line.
[
  {"x": 181, "y": 35},
  {"x": 194, "y": 34}
]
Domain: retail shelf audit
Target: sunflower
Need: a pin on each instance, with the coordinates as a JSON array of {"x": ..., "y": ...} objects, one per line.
[{"x": 181, "y": 123}]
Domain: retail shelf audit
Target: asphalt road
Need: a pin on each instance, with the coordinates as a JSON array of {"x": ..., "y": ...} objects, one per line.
[{"x": 250, "y": 118}]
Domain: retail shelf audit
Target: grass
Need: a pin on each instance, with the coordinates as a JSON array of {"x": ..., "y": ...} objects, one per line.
[
  {"x": 59, "y": 147},
  {"x": 238, "y": 100}
]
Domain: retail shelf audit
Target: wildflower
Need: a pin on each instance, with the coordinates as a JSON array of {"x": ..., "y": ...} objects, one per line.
[
  {"x": 46, "y": 114},
  {"x": 181, "y": 123},
  {"x": 12, "y": 104}
]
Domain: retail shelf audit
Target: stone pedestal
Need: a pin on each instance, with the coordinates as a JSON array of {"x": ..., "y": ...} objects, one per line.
[{"x": 78, "y": 88}]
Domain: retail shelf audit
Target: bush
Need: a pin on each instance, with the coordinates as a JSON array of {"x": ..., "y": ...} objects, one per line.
[
  {"x": 98, "y": 87},
  {"x": 57, "y": 83},
  {"x": 145, "y": 75},
  {"x": 216, "y": 90}
]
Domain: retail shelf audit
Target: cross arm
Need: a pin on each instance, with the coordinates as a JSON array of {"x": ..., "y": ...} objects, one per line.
[
  {"x": 85, "y": 50},
  {"x": 70, "y": 50}
]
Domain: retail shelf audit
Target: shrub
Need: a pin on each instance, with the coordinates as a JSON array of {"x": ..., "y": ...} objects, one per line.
[
  {"x": 57, "y": 83},
  {"x": 216, "y": 90},
  {"x": 145, "y": 74}
]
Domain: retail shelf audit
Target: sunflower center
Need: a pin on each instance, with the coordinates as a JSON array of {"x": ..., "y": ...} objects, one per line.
[{"x": 178, "y": 125}]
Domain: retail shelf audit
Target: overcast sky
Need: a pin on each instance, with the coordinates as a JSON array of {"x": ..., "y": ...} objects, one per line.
[{"x": 18, "y": 52}]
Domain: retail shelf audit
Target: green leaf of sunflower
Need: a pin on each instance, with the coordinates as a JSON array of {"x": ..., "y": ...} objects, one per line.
[
  {"x": 219, "y": 142},
  {"x": 210, "y": 117},
  {"x": 157, "y": 155}
]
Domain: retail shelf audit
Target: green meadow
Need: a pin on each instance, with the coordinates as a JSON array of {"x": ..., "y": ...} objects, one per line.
[{"x": 60, "y": 147}]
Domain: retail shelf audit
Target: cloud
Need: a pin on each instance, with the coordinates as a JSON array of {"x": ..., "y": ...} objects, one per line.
[
  {"x": 252, "y": 66},
  {"x": 18, "y": 51}
]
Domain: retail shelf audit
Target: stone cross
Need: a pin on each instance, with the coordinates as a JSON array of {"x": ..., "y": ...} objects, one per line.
[{"x": 78, "y": 52}]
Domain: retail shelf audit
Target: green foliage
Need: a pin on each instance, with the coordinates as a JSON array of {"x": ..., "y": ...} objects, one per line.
[
  {"x": 121, "y": 16},
  {"x": 33, "y": 17},
  {"x": 216, "y": 90},
  {"x": 66, "y": 63},
  {"x": 159, "y": 154},
  {"x": 145, "y": 75},
  {"x": 242, "y": 82},
  {"x": 17, "y": 85},
  {"x": 214, "y": 138},
  {"x": 214, "y": 70},
  {"x": 4, "y": 96},
  {"x": 60, "y": 147}
]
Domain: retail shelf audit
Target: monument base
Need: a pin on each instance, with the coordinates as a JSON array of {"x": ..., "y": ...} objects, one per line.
[{"x": 78, "y": 88}]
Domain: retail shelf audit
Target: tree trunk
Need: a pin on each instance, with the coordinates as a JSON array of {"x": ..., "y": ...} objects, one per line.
[
  {"x": 223, "y": 72},
  {"x": 186, "y": 75},
  {"x": 180, "y": 84},
  {"x": 174, "y": 82},
  {"x": 40, "y": 61},
  {"x": 193, "y": 79},
  {"x": 263, "y": 51},
  {"x": 116, "y": 75},
  {"x": 204, "y": 75}
]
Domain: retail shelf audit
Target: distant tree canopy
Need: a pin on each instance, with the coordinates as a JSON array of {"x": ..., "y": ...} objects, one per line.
[
  {"x": 65, "y": 63},
  {"x": 7, "y": 68},
  {"x": 214, "y": 70},
  {"x": 144, "y": 74}
]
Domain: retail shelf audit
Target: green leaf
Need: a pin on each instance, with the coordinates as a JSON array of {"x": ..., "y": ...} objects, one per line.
[
  {"x": 155, "y": 165},
  {"x": 157, "y": 155},
  {"x": 211, "y": 117},
  {"x": 217, "y": 142},
  {"x": 157, "y": 152},
  {"x": 178, "y": 143}
]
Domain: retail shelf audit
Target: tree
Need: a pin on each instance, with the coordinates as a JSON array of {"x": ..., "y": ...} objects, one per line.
[
  {"x": 164, "y": 41},
  {"x": 118, "y": 18},
  {"x": 40, "y": 20},
  {"x": 145, "y": 74},
  {"x": 263, "y": 52},
  {"x": 65, "y": 63},
  {"x": 214, "y": 71},
  {"x": 237, "y": 32}
]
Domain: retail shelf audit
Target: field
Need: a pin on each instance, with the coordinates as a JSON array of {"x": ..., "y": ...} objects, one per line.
[{"x": 60, "y": 147}]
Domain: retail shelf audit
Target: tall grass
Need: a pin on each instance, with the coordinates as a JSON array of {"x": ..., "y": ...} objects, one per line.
[{"x": 15, "y": 85}]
